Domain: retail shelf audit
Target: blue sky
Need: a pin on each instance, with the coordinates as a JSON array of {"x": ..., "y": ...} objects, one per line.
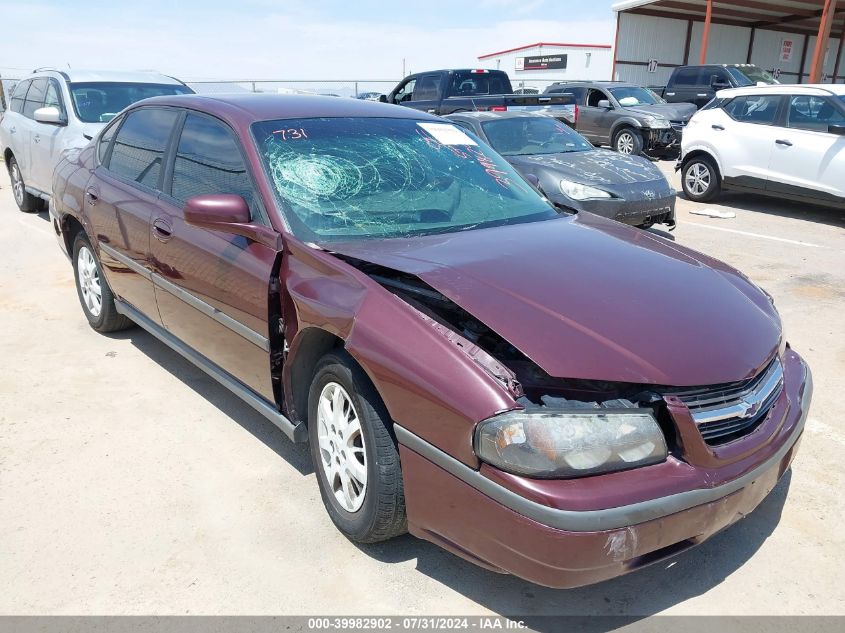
[{"x": 285, "y": 39}]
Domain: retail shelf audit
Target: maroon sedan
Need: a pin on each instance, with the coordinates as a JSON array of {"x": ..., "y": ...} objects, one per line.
[{"x": 560, "y": 397}]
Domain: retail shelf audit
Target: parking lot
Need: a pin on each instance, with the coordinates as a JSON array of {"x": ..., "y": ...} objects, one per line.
[{"x": 131, "y": 483}]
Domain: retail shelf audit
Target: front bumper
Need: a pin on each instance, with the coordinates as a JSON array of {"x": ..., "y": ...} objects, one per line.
[
  {"x": 635, "y": 212},
  {"x": 485, "y": 522},
  {"x": 664, "y": 141}
]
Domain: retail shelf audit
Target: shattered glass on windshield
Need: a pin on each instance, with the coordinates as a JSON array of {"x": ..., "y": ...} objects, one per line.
[{"x": 370, "y": 177}]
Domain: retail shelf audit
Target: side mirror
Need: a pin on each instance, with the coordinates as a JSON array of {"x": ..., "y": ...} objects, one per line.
[
  {"x": 217, "y": 211},
  {"x": 605, "y": 104},
  {"x": 836, "y": 128},
  {"x": 382, "y": 98},
  {"x": 533, "y": 180},
  {"x": 228, "y": 213},
  {"x": 49, "y": 114}
]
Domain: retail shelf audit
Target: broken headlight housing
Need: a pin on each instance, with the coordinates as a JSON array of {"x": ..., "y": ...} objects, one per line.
[
  {"x": 577, "y": 191},
  {"x": 657, "y": 123},
  {"x": 563, "y": 444}
]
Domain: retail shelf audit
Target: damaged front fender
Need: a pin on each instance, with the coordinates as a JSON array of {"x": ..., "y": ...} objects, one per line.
[{"x": 436, "y": 384}]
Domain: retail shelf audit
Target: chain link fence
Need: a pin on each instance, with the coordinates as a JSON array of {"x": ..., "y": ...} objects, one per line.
[{"x": 360, "y": 89}]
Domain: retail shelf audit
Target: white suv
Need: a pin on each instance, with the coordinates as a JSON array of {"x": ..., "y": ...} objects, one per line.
[
  {"x": 52, "y": 111},
  {"x": 785, "y": 141}
]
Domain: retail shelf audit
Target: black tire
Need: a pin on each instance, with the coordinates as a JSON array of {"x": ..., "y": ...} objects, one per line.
[
  {"x": 645, "y": 226},
  {"x": 628, "y": 141},
  {"x": 700, "y": 179},
  {"x": 26, "y": 202},
  {"x": 108, "y": 319},
  {"x": 381, "y": 515}
]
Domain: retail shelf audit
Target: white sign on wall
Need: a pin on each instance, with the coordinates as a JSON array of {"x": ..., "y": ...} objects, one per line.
[{"x": 786, "y": 48}]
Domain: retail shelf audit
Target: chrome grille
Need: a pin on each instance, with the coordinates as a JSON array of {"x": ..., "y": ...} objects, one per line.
[{"x": 724, "y": 413}]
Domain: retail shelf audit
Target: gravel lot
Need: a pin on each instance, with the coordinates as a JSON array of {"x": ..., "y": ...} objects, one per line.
[{"x": 130, "y": 483}]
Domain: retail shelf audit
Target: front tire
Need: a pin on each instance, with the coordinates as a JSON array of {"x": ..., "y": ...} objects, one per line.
[
  {"x": 94, "y": 293},
  {"x": 700, "y": 179},
  {"x": 628, "y": 141},
  {"x": 26, "y": 202},
  {"x": 354, "y": 452}
]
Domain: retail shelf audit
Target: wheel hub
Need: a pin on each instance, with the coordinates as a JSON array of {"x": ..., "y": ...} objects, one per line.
[
  {"x": 89, "y": 282},
  {"x": 341, "y": 446}
]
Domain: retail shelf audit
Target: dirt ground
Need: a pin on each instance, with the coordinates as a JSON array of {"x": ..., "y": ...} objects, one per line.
[{"x": 130, "y": 483}]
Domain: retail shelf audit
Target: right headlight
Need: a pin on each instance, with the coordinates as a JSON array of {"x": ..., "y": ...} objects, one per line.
[
  {"x": 560, "y": 444},
  {"x": 577, "y": 191}
]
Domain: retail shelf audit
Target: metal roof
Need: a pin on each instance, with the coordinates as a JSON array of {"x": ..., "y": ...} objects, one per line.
[
  {"x": 539, "y": 44},
  {"x": 793, "y": 16}
]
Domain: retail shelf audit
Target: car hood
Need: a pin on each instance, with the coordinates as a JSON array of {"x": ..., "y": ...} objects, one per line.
[
  {"x": 585, "y": 297},
  {"x": 599, "y": 166},
  {"x": 671, "y": 111},
  {"x": 90, "y": 130}
]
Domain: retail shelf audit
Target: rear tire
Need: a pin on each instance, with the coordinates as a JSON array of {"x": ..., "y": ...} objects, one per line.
[
  {"x": 700, "y": 179},
  {"x": 628, "y": 141},
  {"x": 94, "y": 293},
  {"x": 26, "y": 202},
  {"x": 354, "y": 452}
]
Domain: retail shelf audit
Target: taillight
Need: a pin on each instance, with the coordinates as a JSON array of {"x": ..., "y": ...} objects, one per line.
[
  {"x": 479, "y": 71},
  {"x": 498, "y": 108},
  {"x": 577, "y": 113}
]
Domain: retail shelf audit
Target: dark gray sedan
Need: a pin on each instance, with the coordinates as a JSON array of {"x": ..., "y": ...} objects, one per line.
[{"x": 573, "y": 173}]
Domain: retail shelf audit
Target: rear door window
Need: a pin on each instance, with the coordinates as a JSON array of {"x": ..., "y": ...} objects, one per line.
[
  {"x": 427, "y": 88},
  {"x": 209, "y": 161},
  {"x": 34, "y": 97},
  {"x": 686, "y": 77},
  {"x": 138, "y": 150},
  {"x": 759, "y": 109},
  {"x": 812, "y": 113}
]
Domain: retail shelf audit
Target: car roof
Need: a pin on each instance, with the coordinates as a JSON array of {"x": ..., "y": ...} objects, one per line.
[
  {"x": 91, "y": 76},
  {"x": 487, "y": 116},
  {"x": 244, "y": 109},
  {"x": 794, "y": 89},
  {"x": 594, "y": 84}
]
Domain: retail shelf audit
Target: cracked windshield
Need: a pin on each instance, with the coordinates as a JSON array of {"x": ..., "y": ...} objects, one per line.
[{"x": 346, "y": 178}]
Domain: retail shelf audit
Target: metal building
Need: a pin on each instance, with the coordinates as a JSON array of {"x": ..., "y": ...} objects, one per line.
[
  {"x": 538, "y": 65},
  {"x": 800, "y": 41}
]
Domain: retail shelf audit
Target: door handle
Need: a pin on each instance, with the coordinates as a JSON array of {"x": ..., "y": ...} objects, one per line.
[
  {"x": 670, "y": 94},
  {"x": 781, "y": 141},
  {"x": 720, "y": 128},
  {"x": 13, "y": 130},
  {"x": 162, "y": 230},
  {"x": 91, "y": 196},
  {"x": 702, "y": 94}
]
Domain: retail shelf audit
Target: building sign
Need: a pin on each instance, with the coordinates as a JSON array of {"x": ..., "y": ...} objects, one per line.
[
  {"x": 544, "y": 62},
  {"x": 652, "y": 65},
  {"x": 786, "y": 48}
]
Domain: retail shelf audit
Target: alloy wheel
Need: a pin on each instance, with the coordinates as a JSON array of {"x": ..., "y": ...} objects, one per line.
[
  {"x": 698, "y": 179},
  {"x": 17, "y": 184},
  {"x": 341, "y": 443},
  {"x": 625, "y": 143},
  {"x": 89, "y": 281}
]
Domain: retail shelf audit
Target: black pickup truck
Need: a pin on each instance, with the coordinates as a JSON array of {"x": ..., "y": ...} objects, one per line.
[
  {"x": 699, "y": 84},
  {"x": 466, "y": 90}
]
